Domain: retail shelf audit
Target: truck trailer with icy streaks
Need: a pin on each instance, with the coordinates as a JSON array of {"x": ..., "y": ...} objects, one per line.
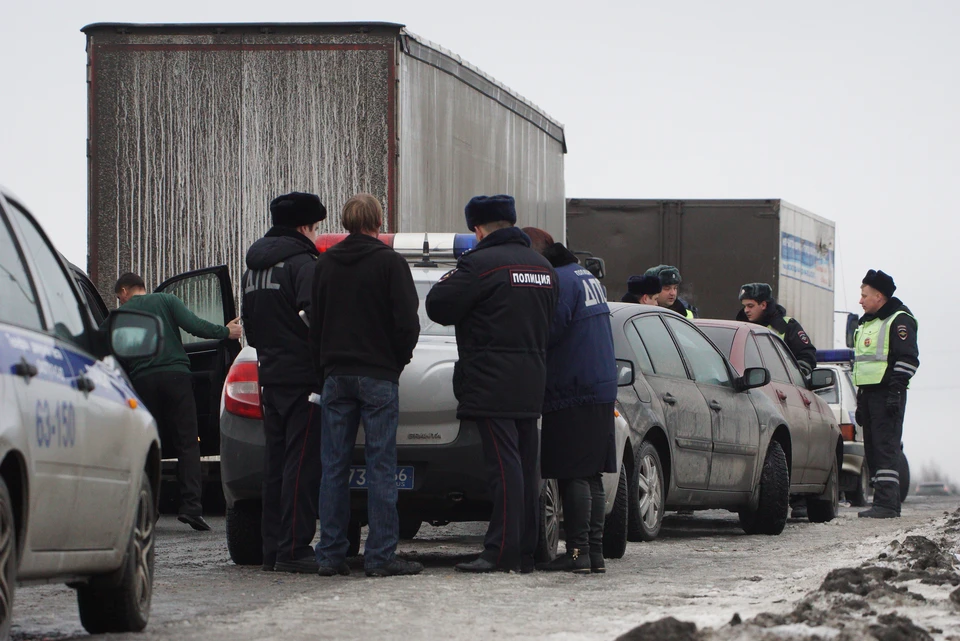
[{"x": 193, "y": 129}]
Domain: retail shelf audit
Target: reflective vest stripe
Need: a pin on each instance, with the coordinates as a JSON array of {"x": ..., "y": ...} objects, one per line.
[
  {"x": 786, "y": 319},
  {"x": 689, "y": 314}
]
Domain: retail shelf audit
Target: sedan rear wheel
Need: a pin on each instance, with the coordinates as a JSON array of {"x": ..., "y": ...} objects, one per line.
[
  {"x": 647, "y": 493},
  {"x": 770, "y": 515},
  {"x": 549, "y": 537}
]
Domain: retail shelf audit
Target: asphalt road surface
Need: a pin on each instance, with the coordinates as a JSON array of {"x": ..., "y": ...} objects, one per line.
[{"x": 702, "y": 569}]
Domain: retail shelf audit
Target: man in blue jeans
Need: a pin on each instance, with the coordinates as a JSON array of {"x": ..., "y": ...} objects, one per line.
[{"x": 363, "y": 328}]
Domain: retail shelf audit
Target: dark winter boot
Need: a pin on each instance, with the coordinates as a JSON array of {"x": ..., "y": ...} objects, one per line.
[
  {"x": 572, "y": 561},
  {"x": 597, "y": 509},
  {"x": 879, "y": 512},
  {"x": 596, "y": 564}
]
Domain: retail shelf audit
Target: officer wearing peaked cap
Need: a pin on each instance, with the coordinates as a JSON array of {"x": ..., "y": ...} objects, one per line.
[
  {"x": 761, "y": 308},
  {"x": 670, "y": 291},
  {"x": 501, "y": 298},
  {"x": 276, "y": 288},
  {"x": 886, "y": 358}
]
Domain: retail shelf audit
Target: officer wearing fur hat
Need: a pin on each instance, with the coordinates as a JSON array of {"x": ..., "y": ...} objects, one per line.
[
  {"x": 670, "y": 291},
  {"x": 644, "y": 290},
  {"x": 887, "y": 357},
  {"x": 761, "y": 308},
  {"x": 276, "y": 287},
  {"x": 501, "y": 298}
]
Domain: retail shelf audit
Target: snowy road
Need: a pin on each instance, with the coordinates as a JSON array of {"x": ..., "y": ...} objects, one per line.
[{"x": 703, "y": 569}]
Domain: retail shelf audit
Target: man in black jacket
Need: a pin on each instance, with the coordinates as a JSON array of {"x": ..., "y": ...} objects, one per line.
[
  {"x": 363, "y": 328},
  {"x": 887, "y": 357},
  {"x": 501, "y": 297},
  {"x": 276, "y": 288},
  {"x": 761, "y": 308}
]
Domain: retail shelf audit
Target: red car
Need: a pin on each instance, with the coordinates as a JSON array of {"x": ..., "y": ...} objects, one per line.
[{"x": 816, "y": 444}]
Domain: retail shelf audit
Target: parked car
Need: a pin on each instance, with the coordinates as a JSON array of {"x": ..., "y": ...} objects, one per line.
[
  {"x": 934, "y": 488},
  {"x": 855, "y": 481},
  {"x": 440, "y": 468},
  {"x": 80, "y": 468},
  {"x": 816, "y": 448},
  {"x": 702, "y": 435}
]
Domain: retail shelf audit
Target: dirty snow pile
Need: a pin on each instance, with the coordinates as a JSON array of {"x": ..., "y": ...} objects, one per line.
[{"x": 910, "y": 592}]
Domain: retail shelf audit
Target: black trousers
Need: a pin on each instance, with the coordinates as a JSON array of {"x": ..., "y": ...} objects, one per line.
[
  {"x": 169, "y": 397},
  {"x": 291, "y": 473},
  {"x": 583, "y": 513},
  {"x": 511, "y": 452},
  {"x": 882, "y": 435}
]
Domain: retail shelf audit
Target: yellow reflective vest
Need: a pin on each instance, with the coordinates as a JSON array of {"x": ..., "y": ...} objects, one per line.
[{"x": 873, "y": 349}]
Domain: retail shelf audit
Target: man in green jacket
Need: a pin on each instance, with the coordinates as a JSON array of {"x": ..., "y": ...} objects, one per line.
[{"x": 165, "y": 385}]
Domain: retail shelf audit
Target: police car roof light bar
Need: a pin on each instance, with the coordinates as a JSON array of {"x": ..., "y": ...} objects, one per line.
[
  {"x": 835, "y": 355},
  {"x": 414, "y": 245}
]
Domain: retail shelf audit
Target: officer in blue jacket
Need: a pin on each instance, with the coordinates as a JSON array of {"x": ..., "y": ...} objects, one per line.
[{"x": 577, "y": 439}]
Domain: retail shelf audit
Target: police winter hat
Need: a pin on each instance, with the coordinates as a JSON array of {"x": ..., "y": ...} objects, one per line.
[
  {"x": 667, "y": 274},
  {"x": 881, "y": 282},
  {"x": 297, "y": 209},
  {"x": 759, "y": 292},
  {"x": 489, "y": 209},
  {"x": 646, "y": 285}
]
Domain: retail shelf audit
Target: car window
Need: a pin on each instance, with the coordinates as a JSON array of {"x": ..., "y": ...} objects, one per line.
[
  {"x": 94, "y": 302},
  {"x": 792, "y": 369},
  {"x": 203, "y": 296},
  {"x": 751, "y": 354},
  {"x": 663, "y": 352},
  {"x": 16, "y": 291},
  {"x": 771, "y": 360},
  {"x": 57, "y": 285},
  {"x": 427, "y": 326},
  {"x": 639, "y": 349},
  {"x": 722, "y": 337},
  {"x": 707, "y": 363},
  {"x": 830, "y": 394}
]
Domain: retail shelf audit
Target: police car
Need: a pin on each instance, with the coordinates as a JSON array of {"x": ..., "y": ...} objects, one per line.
[
  {"x": 79, "y": 454},
  {"x": 440, "y": 473}
]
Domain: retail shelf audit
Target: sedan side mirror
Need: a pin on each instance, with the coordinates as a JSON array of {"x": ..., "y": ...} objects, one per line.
[
  {"x": 595, "y": 266},
  {"x": 133, "y": 334},
  {"x": 821, "y": 378},
  {"x": 753, "y": 377},
  {"x": 625, "y": 375}
]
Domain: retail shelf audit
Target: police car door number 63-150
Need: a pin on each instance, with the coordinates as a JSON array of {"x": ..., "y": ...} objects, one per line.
[{"x": 56, "y": 424}]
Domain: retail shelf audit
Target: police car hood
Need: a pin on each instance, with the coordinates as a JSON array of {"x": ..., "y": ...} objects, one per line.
[{"x": 278, "y": 245}]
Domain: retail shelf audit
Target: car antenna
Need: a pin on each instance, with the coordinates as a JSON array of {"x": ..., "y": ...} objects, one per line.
[{"x": 425, "y": 261}]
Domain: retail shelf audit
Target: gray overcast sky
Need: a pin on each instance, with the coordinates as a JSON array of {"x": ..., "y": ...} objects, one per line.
[{"x": 849, "y": 110}]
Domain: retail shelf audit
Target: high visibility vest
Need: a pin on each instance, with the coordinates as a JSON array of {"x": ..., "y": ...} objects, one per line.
[
  {"x": 872, "y": 350},
  {"x": 786, "y": 319},
  {"x": 689, "y": 314}
]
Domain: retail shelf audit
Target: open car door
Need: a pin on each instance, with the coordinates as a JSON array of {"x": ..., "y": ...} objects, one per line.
[{"x": 207, "y": 293}]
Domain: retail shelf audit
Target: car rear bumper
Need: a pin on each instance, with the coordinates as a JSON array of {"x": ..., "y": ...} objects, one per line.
[
  {"x": 449, "y": 480},
  {"x": 853, "y": 457}
]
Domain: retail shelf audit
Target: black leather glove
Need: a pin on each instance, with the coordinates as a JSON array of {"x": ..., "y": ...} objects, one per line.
[
  {"x": 893, "y": 403},
  {"x": 859, "y": 417}
]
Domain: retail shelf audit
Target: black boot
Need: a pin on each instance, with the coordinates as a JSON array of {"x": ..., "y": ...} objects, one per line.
[
  {"x": 597, "y": 509},
  {"x": 879, "y": 512},
  {"x": 572, "y": 561}
]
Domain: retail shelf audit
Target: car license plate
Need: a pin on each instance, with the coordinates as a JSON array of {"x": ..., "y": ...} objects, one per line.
[{"x": 358, "y": 477}]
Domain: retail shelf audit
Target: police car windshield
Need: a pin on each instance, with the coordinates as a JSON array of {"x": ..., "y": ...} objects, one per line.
[{"x": 427, "y": 326}]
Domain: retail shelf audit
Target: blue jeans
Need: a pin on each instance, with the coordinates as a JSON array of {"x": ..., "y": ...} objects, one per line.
[{"x": 347, "y": 400}]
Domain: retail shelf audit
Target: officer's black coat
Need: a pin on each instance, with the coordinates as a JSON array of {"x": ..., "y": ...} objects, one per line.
[
  {"x": 796, "y": 339},
  {"x": 501, "y": 298},
  {"x": 276, "y": 286},
  {"x": 903, "y": 359}
]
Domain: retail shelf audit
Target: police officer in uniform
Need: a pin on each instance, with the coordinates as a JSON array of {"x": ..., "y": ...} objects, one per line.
[
  {"x": 887, "y": 357},
  {"x": 276, "y": 288},
  {"x": 644, "y": 290},
  {"x": 670, "y": 291},
  {"x": 501, "y": 297},
  {"x": 759, "y": 307}
]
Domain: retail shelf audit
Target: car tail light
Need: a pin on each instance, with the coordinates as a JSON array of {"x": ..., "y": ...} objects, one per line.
[
  {"x": 242, "y": 390},
  {"x": 849, "y": 431}
]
